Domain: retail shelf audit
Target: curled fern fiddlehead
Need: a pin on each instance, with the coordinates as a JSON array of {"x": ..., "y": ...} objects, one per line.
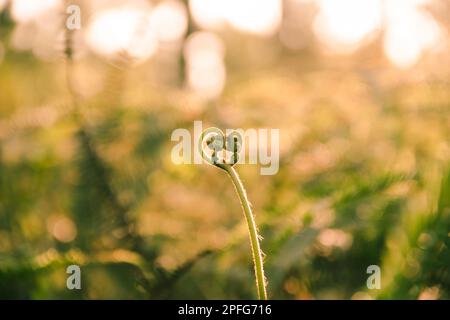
[{"x": 215, "y": 141}]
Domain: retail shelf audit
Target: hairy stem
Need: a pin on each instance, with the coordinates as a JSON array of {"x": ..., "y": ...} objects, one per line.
[{"x": 252, "y": 230}]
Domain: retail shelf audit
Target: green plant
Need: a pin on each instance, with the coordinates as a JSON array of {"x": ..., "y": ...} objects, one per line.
[{"x": 217, "y": 142}]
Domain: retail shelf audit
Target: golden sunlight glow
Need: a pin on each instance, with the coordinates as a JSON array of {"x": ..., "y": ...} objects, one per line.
[
  {"x": 431, "y": 293},
  {"x": 261, "y": 17},
  {"x": 27, "y": 10},
  {"x": 410, "y": 31},
  {"x": 125, "y": 28},
  {"x": 62, "y": 228},
  {"x": 342, "y": 25},
  {"x": 2, "y": 4},
  {"x": 208, "y": 14},
  {"x": 204, "y": 53},
  {"x": 169, "y": 20},
  {"x": 335, "y": 238},
  {"x": 254, "y": 16}
]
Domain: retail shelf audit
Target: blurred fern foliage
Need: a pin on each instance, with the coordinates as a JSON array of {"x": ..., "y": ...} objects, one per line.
[{"x": 364, "y": 179}]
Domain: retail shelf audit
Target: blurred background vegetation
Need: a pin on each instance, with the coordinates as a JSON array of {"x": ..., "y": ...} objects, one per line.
[{"x": 359, "y": 90}]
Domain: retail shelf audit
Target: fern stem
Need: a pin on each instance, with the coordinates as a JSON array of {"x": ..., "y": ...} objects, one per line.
[{"x": 252, "y": 231}]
